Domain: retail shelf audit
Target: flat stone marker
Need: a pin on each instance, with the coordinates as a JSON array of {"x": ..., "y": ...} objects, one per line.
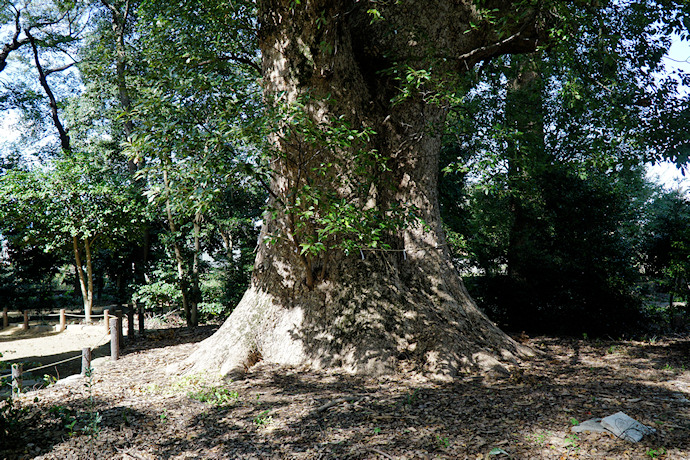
[
  {"x": 619, "y": 424},
  {"x": 593, "y": 425},
  {"x": 626, "y": 427}
]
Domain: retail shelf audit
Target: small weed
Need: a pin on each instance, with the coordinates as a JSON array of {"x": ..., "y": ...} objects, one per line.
[
  {"x": 412, "y": 397},
  {"x": 263, "y": 419},
  {"x": 49, "y": 380},
  {"x": 584, "y": 336},
  {"x": 93, "y": 418},
  {"x": 574, "y": 421},
  {"x": 186, "y": 382},
  {"x": 539, "y": 438},
  {"x": 654, "y": 453},
  {"x": 10, "y": 416},
  {"x": 571, "y": 441},
  {"x": 668, "y": 367},
  {"x": 153, "y": 388},
  {"x": 215, "y": 396},
  {"x": 66, "y": 416},
  {"x": 125, "y": 415},
  {"x": 612, "y": 349},
  {"x": 377, "y": 430},
  {"x": 442, "y": 442},
  {"x": 164, "y": 416}
]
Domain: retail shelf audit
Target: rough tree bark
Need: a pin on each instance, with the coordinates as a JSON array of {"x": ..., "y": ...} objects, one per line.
[{"x": 367, "y": 311}]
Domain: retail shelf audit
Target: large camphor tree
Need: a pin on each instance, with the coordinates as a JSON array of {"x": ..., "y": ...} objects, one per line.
[{"x": 352, "y": 269}]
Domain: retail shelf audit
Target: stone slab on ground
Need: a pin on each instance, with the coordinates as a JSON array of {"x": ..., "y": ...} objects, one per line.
[
  {"x": 593, "y": 425},
  {"x": 626, "y": 427},
  {"x": 619, "y": 424}
]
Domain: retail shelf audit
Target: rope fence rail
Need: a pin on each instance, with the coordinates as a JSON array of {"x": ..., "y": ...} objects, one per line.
[
  {"x": 114, "y": 329},
  {"x": 127, "y": 309}
]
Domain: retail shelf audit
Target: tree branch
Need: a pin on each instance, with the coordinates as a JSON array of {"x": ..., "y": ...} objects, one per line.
[
  {"x": 58, "y": 69},
  {"x": 14, "y": 44},
  {"x": 64, "y": 137}
]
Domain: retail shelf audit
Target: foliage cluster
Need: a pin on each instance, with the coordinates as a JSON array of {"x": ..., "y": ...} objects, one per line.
[{"x": 155, "y": 184}]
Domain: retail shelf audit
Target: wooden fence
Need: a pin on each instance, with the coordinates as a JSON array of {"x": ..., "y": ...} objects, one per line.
[{"x": 113, "y": 324}]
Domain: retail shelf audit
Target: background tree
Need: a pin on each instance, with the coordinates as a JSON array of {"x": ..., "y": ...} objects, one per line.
[
  {"x": 556, "y": 190},
  {"x": 193, "y": 120},
  {"x": 72, "y": 206},
  {"x": 666, "y": 244}
]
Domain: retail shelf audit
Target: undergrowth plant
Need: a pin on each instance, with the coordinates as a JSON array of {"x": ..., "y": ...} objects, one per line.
[
  {"x": 215, "y": 396},
  {"x": 93, "y": 420}
]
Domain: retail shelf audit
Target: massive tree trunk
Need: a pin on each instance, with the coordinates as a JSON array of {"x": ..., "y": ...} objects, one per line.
[{"x": 358, "y": 307}]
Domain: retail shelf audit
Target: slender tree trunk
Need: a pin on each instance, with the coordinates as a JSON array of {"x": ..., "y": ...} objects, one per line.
[
  {"x": 227, "y": 243},
  {"x": 89, "y": 274},
  {"x": 83, "y": 280},
  {"x": 196, "y": 290},
  {"x": 120, "y": 17},
  {"x": 179, "y": 258},
  {"x": 15, "y": 43},
  {"x": 364, "y": 310}
]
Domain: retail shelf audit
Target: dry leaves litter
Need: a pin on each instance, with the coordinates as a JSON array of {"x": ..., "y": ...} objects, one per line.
[{"x": 141, "y": 412}]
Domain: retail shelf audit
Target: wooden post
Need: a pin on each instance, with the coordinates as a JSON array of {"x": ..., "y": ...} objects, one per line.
[
  {"x": 119, "y": 328},
  {"x": 140, "y": 309},
  {"x": 85, "y": 360},
  {"x": 63, "y": 320},
  {"x": 130, "y": 323},
  {"x": 17, "y": 370},
  {"x": 106, "y": 318},
  {"x": 5, "y": 319},
  {"x": 26, "y": 320},
  {"x": 114, "y": 340}
]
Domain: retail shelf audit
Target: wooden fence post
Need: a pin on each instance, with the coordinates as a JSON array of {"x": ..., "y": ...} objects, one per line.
[
  {"x": 130, "y": 323},
  {"x": 85, "y": 361},
  {"x": 106, "y": 318},
  {"x": 26, "y": 320},
  {"x": 140, "y": 314},
  {"x": 63, "y": 320},
  {"x": 17, "y": 370},
  {"x": 114, "y": 340},
  {"x": 5, "y": 318},
  {"x": 118, "y": 313}
]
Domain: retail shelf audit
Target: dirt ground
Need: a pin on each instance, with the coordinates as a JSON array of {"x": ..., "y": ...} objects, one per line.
[
  {"x": 134, "y": 408},
  {"x": 43, "y": 345}
]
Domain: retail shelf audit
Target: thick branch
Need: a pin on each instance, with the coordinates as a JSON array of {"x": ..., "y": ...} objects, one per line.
[
  {"x": 14, "y": 44},
  {"x": 64, "y": 137}
]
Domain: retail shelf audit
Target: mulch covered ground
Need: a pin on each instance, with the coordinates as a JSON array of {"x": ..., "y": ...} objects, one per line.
[{"x": 135, "y": 410}]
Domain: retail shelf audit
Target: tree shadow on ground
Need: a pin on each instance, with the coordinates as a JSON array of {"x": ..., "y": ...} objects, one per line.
[
  {"x": 279, "y": 412},
  {"x": 529, "y": 416}
]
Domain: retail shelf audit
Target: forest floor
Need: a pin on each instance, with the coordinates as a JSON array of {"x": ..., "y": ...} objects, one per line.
[{"x": 134, "y": 408}]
